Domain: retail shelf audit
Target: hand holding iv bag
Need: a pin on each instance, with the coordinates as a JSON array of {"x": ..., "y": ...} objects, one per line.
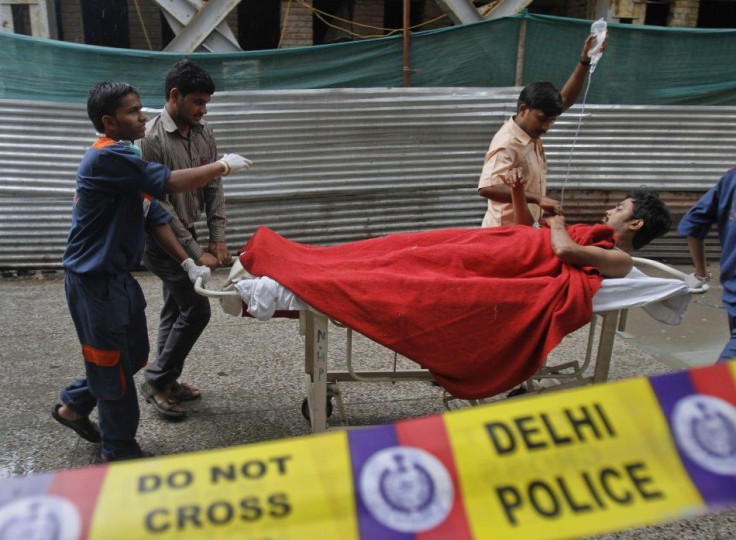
[{"x": 598, "y": 29}]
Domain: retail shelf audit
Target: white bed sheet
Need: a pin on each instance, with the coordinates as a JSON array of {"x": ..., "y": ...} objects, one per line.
[{"x": 664, "y": 299}]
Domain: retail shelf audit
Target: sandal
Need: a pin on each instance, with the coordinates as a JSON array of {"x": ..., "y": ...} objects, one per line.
[
  {"x": 84, "y": 427},
  {"x": 184, "y": 391},
  {"x": 168, "y": 407}
]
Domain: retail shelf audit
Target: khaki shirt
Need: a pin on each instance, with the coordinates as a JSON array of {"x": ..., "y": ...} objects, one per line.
[
  {"x": 511, "y": 147},
  {"x": 165, "y": 144}
]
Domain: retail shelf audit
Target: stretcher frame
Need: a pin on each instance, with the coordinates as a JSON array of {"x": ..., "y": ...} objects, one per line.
[{"x": 322, "y": 385}]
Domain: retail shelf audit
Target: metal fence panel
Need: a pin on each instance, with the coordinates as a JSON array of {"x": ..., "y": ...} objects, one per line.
[{"x": 345, "y": 164}]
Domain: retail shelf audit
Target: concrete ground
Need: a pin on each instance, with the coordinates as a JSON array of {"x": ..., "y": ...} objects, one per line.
[{"x": 251, "y": 377}]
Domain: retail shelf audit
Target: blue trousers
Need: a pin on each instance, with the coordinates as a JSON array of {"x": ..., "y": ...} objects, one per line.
[
  {"x": 109, "y": 315},
  {"x": 729, "y": 351}
]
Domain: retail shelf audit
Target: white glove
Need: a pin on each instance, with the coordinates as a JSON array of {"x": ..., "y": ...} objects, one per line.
[
  {"x": 194, "y": 271},
  {"x": 234, "y": 163},
  {"x": 695, "y": 281}
]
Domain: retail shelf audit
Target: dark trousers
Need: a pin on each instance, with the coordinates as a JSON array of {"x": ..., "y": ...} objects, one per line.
[
  {"x": 109, "y": 315},
  {"x": 729, "y": 351},
  {"x": 184, "y": 316}
]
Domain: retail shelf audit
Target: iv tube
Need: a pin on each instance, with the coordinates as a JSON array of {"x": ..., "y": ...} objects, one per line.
[
  {"x": 574, "y": 140},
  {"x": 599, "y": 29}
]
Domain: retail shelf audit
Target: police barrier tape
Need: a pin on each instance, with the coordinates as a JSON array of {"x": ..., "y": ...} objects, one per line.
[{"x": 567, "y": 464}]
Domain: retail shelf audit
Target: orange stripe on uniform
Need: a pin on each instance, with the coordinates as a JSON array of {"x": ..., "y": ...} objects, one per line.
[
  {"x": 103, "y": 142},
  {"x": 103, "y": 358}
]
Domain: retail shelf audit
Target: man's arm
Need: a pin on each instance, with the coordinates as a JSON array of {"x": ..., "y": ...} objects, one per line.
[
  {"x": 187, "y": 241},
  {"x": 502, "y": 194},
  {"x": 166, "y": 238},
  {"x": 574, "y": 85},
  {"x": 697, "y": 222},
  {"x": 159, "y": 221},
  {"x": 612, "y": 263},
  {"x": 216, "y": 221},
  {"x": 214, "y": 206},
  {"x": 497, "y": 166},
  {"x": 197, "y": 177},
  {"x": 697, "y": 253},
  {"x": 515, "y": 181}
]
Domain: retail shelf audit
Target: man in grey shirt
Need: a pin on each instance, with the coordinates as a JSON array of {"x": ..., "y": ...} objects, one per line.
[{"x": 179, "y": 138}]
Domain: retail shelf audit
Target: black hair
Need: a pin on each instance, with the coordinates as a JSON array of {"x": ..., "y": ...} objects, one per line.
[
  {"x": 188, "y": 77},
  {"x": 649, "y": 208},
  {"x": 104, "y": 99},
  {"x": 541, "y": 95}
]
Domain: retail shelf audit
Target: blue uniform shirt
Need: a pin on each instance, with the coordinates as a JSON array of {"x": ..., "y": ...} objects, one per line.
[
  {"x": 718, "y": 205},
  {"x": 107, "y": 235}
]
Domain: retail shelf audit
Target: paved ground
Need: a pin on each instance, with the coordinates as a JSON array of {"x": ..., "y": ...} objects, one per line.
[{"x": 251, "y": 375}]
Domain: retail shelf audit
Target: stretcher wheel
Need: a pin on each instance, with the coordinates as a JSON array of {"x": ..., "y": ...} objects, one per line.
[{"x": 305, "y": 408}]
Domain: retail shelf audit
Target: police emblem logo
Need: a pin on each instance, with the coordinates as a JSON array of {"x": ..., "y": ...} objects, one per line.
[
  {"x": 406, "y": 489},
  {"x": 705, "y": 430},
  {"x": 42, "y": 517}
]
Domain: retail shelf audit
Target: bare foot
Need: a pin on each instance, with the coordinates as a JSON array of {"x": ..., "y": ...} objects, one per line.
[{"x": 67, "y": 414}]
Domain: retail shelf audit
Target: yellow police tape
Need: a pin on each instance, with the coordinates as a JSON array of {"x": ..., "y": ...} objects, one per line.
[
  {"x": 570, "y": 464},
  {"x": 560, "y": 465},
  {"x": 258, "y": 491}
]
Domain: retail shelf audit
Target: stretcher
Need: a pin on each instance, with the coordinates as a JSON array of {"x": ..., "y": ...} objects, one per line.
[{"x": 657, "y": 288}]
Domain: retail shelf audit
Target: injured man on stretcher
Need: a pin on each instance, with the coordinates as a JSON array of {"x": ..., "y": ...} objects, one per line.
[{"x": 479, "y": 308}]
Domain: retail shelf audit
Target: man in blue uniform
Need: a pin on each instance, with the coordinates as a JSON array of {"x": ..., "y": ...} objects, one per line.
[
  {"x": 114, "y": 202},
  {"x": 718, "y": 205}
]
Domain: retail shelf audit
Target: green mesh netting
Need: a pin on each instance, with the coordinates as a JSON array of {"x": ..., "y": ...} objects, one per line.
[{"x": 642, "y": 64}]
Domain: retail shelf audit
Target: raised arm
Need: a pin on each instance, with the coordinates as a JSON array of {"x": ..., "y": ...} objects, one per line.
[
  {"x": 574, "y": 85},
  {"x": 612, "y": 263},
  {"x": 516, "y": 183}
]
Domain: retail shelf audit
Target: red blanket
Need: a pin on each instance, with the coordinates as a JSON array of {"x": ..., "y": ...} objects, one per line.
[{"x": 479, "y": 308}]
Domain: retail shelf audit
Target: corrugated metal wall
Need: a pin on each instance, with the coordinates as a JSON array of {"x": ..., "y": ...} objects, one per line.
[{"x": 344, "y": 164}]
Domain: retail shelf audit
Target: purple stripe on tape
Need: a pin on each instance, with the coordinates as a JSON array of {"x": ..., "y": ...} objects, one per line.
[
  {"x": 697, "y": 427},
  {"x": 364, "y": 444},
  {"x": 24, "y": 486}
]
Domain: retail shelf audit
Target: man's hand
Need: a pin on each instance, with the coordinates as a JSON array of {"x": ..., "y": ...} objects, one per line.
[
  {"x": 194, "y": 271},
  {"x": 556, "y": 222},
  {"x": 611, "y": 262},
  {"x": 514, "y": 178},
  {"x": 219, "y": 250},
  {"x": 234, "y": 163},
  {"x": 208, "y": 260},
  {"x": 550, "y": 206},
  {"x": 589, "y": 44}
]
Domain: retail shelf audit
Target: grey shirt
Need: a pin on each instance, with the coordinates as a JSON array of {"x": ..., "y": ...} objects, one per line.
[{"x": 165, "y": 144}]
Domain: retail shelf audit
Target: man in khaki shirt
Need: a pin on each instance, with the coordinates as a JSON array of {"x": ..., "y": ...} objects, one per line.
[
  {"x": 518, "y": 144},
  {"x": 179, "y": 137}
]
